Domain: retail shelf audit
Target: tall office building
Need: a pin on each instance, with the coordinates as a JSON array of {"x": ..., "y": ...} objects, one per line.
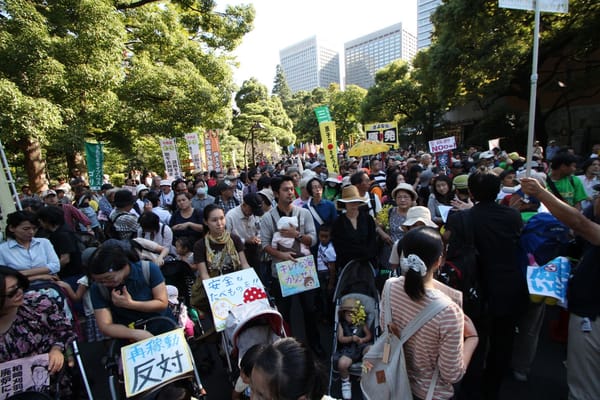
[
  {"x": 424, "y": 26},
  {"x": 368, "y": 54},
  {"x": 308, "y": 65}
]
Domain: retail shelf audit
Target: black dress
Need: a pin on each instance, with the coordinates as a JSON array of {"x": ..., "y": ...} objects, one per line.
[{"x": 354, "y": 244}]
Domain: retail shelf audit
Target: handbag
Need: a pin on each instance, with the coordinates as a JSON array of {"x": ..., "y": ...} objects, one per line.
[{"x": 384, "y": 374}]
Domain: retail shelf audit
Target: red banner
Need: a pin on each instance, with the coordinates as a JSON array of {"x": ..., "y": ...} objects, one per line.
[{"x": 213, "y": 150}]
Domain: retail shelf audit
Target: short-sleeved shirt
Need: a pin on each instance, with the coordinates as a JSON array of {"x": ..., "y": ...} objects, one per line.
[
  {"x": 227, "y": 264},
  {"x": 177, "y": 218},
  {"x": 64, "y": 241},
  {"x": 139, "y": 290},
  {"x": 571, "y": 189},
  {"x": 325, "y": 255}
]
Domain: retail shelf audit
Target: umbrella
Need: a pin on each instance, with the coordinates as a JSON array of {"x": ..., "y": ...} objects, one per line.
[{"x": 367, "y": 148}]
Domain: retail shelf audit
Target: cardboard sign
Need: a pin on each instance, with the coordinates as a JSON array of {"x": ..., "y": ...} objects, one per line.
[
  {"x": 297, "y": 276},
  {"x": 24, "y": 374},
  {"x": 551, "y": 279},
  {"x": 227, "y": 291},
  {"x": 155, "y": 361}
]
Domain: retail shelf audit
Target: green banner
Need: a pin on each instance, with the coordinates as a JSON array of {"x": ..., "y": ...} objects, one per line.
[
  {"x": 322, "y": 114},
  {"x": 95, "y": 162}
]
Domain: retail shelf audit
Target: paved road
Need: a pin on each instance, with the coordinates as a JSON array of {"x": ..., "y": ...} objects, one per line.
[{"x": 547, "y": 380}]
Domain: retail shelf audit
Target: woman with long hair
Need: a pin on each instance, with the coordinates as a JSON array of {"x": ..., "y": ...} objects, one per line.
[
  {"x": 441, "y": 195},
  {"x": 447, "y": 341}
]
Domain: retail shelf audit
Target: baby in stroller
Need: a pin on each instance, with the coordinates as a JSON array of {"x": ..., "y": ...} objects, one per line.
[{"x": 354, "y": 337}]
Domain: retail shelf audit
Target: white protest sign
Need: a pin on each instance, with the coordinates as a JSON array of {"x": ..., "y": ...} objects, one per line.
[
  {"x": 493, "y": 143},
  {"x": 444, "y": 211},
  {"x": 169, "y": 150},
  {"x": 297, "y": 276},
  {"x": 155, "y": 361},
  {"x": 442, "y": 145},
  {"x": 227, "y": 291},
  {"x": 24, "y": 374},
  {"x": 556, "y": 6},
  {"x": 194, "y": 147},
  {"x": 550, "y": 280}
]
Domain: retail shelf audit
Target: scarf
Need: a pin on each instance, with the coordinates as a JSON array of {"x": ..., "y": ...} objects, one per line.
[{"x": 216, "y": 261}]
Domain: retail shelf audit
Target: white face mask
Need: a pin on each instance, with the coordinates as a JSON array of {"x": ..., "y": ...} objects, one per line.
[{"x": 203, "y": 190}]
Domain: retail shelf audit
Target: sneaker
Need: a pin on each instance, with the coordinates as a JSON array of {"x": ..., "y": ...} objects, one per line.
[{"x": 346, "y": 390}]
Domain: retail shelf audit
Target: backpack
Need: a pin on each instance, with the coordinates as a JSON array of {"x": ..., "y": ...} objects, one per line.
[
  {"x": 460, "y": 271},
  {"x": 384, "y": 373},
  {"x": 544, "y": 237},
  {"x": 105, "y": 293},
  {"x": 110, "y": 232}
]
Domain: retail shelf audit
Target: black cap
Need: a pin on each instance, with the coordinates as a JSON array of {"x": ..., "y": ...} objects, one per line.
[
  {"x": 254, "y": 201},
  {"x": 106, "y": 186}
]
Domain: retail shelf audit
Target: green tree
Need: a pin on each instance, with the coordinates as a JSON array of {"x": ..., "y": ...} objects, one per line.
[
  {"x": 482, "y": 53},
  {"x": 345, "y": 111},
  {"x": 280, "y": 86}
]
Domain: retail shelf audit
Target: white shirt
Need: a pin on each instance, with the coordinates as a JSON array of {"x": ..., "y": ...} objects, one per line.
[
  {"x": 163, "y": 215},
  {"x": 377, "y": 204}
]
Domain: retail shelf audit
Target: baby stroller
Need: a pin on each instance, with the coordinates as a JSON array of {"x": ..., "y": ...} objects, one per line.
[
  {"x": 190, "y": 383},
  {"x": 356, "y": 281},
  {"x": 247, "y": 325}
]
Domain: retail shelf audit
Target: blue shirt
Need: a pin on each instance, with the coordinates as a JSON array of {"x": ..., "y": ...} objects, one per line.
[
  {"x": 138, "y": 288},
  {"x": 326, "y": 210},
  {"x": 39, "y": 254}
]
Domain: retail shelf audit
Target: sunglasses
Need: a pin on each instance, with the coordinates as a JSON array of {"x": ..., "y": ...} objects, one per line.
[{"x": 13, "y": 292}]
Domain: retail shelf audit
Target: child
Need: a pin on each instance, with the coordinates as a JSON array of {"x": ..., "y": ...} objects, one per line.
[
  {"x": 242, "y": 385},
  {"x": 184, "y": 250},
  {"x": 326, "y": 268},
  {"x": 353, "y": 337},
  {"x": 92, "y": 332},
  {"x": 179, "y": 310},
  {"x": 283, "y": 243}
]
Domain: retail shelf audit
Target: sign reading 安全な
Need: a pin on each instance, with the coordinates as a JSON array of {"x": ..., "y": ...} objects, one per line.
[{"x": 442, "y": 145}]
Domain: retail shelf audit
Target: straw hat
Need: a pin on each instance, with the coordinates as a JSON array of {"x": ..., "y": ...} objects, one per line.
[
  {"x": 419, "y": 214},
  {"x": 350, "y": 195},
  {"x": 407, "y": 188}
]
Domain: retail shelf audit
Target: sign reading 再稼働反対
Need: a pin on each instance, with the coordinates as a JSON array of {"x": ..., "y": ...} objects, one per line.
[
  {"x": 442, "y": 145},
  {"x": 555, "y": 6}
]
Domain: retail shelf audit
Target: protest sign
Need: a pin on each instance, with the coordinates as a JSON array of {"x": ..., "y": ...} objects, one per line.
[
  {"x": 155, "y": 361},
  {"x": 24, "y": 374},
  {"x": 442, "y": 145},
  {"x": 227, "y": 291},
  {"x": 551, "y": 279},
  {"x": 170, "y": 157},
  {"x": 297, "y": 276},
  {"x": 386, "y": 132},
  {"x": 212, "y": 149},
  {"x": 194, "y": 147},
  {"x": 95, "y": 163}
]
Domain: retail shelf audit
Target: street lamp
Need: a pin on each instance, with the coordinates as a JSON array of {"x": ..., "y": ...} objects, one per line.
[{"x": 257, "y": 125}]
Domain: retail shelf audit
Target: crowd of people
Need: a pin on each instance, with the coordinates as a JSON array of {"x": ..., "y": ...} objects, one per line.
[{"x": 402, "y": 213}]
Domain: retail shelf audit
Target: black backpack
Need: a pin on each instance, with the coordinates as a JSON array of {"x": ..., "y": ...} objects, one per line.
[{"x": 460, "y": 271}]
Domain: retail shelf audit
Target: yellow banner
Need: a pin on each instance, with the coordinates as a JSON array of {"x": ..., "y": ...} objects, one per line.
[{"x": 329, "y": 145}]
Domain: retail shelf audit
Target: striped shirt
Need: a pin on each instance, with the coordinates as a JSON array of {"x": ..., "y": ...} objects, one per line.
[{"x": 439, "y": 341}]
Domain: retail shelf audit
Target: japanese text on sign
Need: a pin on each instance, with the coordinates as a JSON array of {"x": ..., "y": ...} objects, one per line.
[
  {"x": 154, "y": 361},
  {"x": 227, "y": 291},
  {"x": 297, "y": 276},
  {"x": 24, "y": 374},
  {"x": 442, "y": 145},
  {"x": 171, "y": 159},
  {"x": 194, "y": 147}
]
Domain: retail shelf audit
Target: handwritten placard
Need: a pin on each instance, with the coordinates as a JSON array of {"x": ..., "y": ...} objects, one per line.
[
  {"x": 155, "y": 361},
  {"x": 24, "y": 374},
  {"x": 297, "y": 276},
  {"x": 227, "y": 291},
  {"x": 550, "y": 280}
]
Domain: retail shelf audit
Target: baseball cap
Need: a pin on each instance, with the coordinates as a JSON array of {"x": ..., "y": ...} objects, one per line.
[
  {"x": 106, "y": 186},
  {"x": 47, "y": 193},
  {"x": 255, "y": 203},
  {"x": 461, "y": 182},
  {"x": 172, "y": 294}
]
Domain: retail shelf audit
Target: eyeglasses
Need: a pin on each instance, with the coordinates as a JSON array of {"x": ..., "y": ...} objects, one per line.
[{"x": 13, "y": 292}]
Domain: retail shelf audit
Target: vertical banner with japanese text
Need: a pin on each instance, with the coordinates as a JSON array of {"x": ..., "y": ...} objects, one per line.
[
  {"x": 95, "y": 162},
  {"x": 194, "y": 148},
  {"x": 169, "y": 150},
  {"x": 213, "y": 151},
  {"x": 328, "y": 140}
]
